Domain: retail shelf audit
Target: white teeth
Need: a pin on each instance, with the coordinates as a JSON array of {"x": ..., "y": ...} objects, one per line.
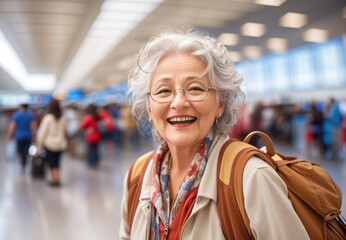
[{"x": 181, "y": 119}]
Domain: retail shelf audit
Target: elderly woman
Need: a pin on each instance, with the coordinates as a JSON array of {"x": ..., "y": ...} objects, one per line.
[{"x": 185, "y": 89}]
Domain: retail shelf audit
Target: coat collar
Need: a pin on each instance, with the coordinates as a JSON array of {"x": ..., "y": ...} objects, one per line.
[
  {"x": 209, "y": 177},
  {"x": 207, "y": 187}
]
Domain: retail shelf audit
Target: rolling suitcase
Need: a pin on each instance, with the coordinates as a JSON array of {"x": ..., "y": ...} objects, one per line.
[{"x": 37, "y": 163}]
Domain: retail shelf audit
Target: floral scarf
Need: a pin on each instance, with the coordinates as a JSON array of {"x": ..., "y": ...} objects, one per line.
[{"x": 160, "y": 195}]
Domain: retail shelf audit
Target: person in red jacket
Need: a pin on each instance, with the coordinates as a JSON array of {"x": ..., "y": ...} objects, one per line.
[
  {"x": 106, "y": 126},
  {"x": 92, "y": 134}
]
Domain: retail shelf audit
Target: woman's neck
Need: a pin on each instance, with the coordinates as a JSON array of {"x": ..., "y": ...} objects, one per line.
[{"x": 182, "y": 157}]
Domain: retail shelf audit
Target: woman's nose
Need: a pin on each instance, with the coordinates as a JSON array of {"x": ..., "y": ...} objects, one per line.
[{"x": 179, "y": 100}]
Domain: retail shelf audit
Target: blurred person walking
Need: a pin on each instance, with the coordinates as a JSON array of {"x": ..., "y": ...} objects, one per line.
[
  {"x": 118, "y": 129},
  {"x": 73, "y": 126},
  {"x": 130, "y": 127},
  {"x": 332, "y": 126},
  {"x": 256, "y": 122},
  {"x": 106, "y": 127},
  {"x": 22, "y": 127},
  {"x": 315, "y": 129},
  {"x": 52, "y": 137},
  {"x": 92, "y": 134}
]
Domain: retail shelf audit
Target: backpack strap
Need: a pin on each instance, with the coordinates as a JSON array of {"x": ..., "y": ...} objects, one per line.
[
  {"x": 233, "y": 157},
  {"x": 134, "y": 184},
  {"x": 234, "y": 221}
]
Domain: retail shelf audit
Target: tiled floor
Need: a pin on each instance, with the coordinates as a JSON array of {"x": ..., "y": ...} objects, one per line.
[{"x": 86, "y": 207}]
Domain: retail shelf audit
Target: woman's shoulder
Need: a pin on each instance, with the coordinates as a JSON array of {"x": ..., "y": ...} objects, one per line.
[
  {"x": 48, "y": 117},
  {"x": 258, "y": 170},
  {"x": 256, "y": 163},
  {"x": 258, "y": 174}
]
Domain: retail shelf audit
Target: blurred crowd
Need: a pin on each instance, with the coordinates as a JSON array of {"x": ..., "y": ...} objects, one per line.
[
  {"x": 315, "y": 127},
  {"x": 94, "y": 132}
]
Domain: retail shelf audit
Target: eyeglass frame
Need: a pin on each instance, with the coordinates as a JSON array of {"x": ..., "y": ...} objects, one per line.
[{"x": 183, "y": 90}]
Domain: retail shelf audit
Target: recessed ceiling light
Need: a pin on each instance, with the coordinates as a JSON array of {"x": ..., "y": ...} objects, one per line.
[
  {"x": 252, "y": 51},
  {"x": 253, "y": 29},
  {"x": 277, "y": 44},
  {"x": 293, "y": 20},
  {"x": 275, "y": 3},
  {"x": 229, "y": 39},
  {"x": 315, "y": 35}
]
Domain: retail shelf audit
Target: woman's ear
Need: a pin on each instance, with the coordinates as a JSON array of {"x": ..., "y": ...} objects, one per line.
[
  {"x": 149, "y": 112},
  {"x": 221, "y": 107}
]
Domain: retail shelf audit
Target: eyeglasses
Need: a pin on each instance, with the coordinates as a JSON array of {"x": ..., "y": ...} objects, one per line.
[{"x": 195, "y": 91}]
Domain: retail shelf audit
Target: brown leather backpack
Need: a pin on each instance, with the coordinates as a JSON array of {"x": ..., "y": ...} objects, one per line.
[{"x": 314, "y": 195}]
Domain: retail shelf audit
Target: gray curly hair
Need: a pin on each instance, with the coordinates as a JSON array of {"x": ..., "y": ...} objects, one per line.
[{"x": 223, "y": 76}]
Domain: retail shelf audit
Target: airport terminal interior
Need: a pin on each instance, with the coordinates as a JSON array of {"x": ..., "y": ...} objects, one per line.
[{"x": 291, "y": 54}]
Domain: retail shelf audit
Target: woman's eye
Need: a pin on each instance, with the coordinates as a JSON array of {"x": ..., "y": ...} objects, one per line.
[
  {"x": 196, "y": 88},
  {"x": 163, "y": 91}
]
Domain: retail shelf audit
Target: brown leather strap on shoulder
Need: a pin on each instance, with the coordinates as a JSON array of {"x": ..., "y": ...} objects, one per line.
[
  {"x": 267, "y": 141},
  {"x": 134, "y": 184},
  {"x": 230, "y": 202}
]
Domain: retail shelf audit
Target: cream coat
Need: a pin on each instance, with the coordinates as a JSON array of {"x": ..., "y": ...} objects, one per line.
[
  {"x": 52, "y": 133},
  {"x": 270, "y": 211}
]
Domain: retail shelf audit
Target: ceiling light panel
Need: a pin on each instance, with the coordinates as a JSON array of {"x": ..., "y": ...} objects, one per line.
[
  {"x": 113, "y": 25},
  {"x": 277, "y": 44},
  {"x": 107, "y": 33},
  {"x": 93, "y": 40},
  {"x": 229, "y": 39},
  {"x": 120, "y": 16},
  {"x": 315, "y": 35},
  {"x": 274, "y": 3},
  {"x": 124, "y": 6},
  {"x": 251, "y": 29},
  {"x": 252, "y": 51},
  {"x": 293, "y": 20}
]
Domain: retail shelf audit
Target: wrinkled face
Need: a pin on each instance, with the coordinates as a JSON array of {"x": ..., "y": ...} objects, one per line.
[{"x": 181, "y": 122}]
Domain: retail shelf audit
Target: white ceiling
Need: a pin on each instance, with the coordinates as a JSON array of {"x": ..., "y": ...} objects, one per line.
[{"x": 46, "y": 34}]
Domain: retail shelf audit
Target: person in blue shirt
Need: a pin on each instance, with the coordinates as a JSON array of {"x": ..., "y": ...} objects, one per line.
[
  {"x": 22, "y": 128},
  {"x": 332, "y": 128}
]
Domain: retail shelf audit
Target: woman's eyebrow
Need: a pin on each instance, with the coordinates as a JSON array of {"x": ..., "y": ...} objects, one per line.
[
  {"x": 164, "y": 79},
  {"x": 194, "y": 78},
  {"x": 171, "y": 80},
  {"x": 191, "y": 78}
]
